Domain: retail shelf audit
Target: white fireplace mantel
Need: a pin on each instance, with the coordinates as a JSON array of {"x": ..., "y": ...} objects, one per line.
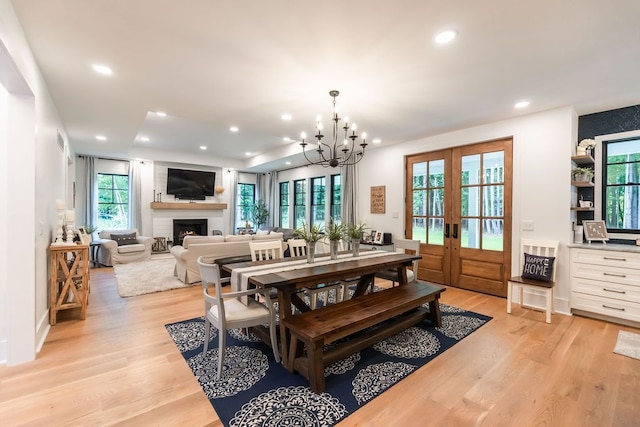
[{"x": 188, "y": 205}]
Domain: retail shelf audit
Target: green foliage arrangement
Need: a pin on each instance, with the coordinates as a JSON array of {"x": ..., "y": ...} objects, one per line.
[
  {"x": 259, "y": 214},
  {"x": 336, "y": 231},
  {"x": 310, "y": 235},
  {"x": 356, "y": 231}
]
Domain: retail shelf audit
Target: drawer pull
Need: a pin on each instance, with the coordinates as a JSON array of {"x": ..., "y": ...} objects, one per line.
[
  {"x": 608, "y": 258},
  {"x": 615, "y": 275},
  {"x": 613, "y": 308},
  {"x": 614, "y": 290}
]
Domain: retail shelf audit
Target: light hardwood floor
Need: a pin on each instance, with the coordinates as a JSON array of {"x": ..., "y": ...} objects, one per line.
[{"x": 119, "y": 366}]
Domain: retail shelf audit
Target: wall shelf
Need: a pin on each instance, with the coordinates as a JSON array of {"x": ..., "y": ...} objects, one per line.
[
  {"x": 583, "y": 184},
  {"x": 188, "y": 206},
  {"x": 577, "y": 208},
  {"x": 583, "y": 160}
]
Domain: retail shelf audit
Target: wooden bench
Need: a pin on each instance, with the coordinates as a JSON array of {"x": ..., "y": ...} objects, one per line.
[{"x": 400, "y": 306}]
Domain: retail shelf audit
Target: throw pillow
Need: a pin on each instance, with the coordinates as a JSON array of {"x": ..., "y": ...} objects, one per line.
[
  {"x": 262, "y": 232},
  {"x": 538, "y": 267},
  {"x": 124, "y": 239}
]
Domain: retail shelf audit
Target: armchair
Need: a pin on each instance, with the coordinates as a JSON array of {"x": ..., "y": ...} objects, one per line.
[{"x": 122, "y": 246}]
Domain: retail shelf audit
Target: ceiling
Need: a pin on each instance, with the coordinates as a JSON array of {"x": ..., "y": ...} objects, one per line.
[{"x": 212, "y": 64}]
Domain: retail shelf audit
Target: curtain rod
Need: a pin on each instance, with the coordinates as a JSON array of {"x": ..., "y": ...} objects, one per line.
[{"x": 82, "y": 156}]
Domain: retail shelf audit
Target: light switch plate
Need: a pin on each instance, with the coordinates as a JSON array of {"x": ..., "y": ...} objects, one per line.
[{"x": 527, "y": 225}]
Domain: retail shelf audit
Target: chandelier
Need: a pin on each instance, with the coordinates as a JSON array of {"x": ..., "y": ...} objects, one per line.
[{"x": 329, "y": 154}]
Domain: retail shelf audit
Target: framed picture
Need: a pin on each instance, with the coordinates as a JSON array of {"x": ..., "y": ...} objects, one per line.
[
  {"x": 371, "y": 236},
  {"x": 84, "y": 237},
  {"x": 595, "y": 231},
  {"x": 378, "y": 238}
]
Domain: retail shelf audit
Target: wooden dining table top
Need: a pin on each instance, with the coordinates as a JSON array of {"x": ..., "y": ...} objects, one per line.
[{"x": 314, "y": 273}]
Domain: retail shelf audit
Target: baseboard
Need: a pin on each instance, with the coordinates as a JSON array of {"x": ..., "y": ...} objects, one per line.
[
  {"x": 3, "y": 352},
  {"x": 42, "y": 331}
]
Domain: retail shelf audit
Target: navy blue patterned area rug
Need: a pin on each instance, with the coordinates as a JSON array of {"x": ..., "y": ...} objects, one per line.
[{"x": 256, "y": 391}]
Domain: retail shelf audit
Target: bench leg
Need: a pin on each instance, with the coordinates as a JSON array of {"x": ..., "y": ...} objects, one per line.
[{"x": 316, "y": 367}]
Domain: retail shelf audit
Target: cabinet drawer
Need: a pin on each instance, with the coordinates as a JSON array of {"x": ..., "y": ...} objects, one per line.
[
  {"x": 615, "y": 291},
  {"x": 606, "y": 273},
  {"x": 607, "y": 306},
  {"x": 608, "y": 258}
]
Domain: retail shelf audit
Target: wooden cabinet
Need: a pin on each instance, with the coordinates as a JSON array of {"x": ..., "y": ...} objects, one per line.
[
  {"x": 605, "y": 282},
  {"x": 69, "y": 279}
]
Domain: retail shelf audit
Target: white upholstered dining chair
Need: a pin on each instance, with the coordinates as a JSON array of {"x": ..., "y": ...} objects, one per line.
[
  {"x": 540, "y": 249},
  {"x": 226, "y": 311}
]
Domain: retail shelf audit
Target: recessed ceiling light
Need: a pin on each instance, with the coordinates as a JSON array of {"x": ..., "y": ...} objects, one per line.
[
  {"x": 161, "y": 113},
  {"x": 287, "y": 163},
  {"x": 248, "y": 153},
  {"x": 377, "y": 141},
  {"x": 286, "y": 117},
  {"x": 446, "y": 36},
  {"x": 234, "y": 129},
  {"x": 102, "y": 69},
  {"x": 286, "y": 139},
  {"x": 522, "y": 104},
  {"x": 101, "y": 137},
  {"x": 144, "y": 138},
  {"x": 203, "y": 147}
]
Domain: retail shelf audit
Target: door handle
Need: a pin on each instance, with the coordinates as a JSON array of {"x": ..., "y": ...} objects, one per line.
[
  {"x": 446, "y": 231},
  {"x": 455, "y": 231}
]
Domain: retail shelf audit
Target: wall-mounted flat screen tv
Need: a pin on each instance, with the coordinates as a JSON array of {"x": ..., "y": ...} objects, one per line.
[{"x": 190, "y": 184}]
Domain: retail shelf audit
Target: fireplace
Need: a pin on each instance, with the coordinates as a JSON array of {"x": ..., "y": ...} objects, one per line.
[{"x": 188, "y": 227}]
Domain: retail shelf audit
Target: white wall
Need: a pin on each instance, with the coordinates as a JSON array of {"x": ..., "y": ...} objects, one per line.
[
  {"x": 29, "y": 212},
  {"x": 542, "y": 147}
]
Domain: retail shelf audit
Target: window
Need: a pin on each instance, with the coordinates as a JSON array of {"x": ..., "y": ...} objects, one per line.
[
  {"x": 318, "y": 195},
  {"x": 246, "y": 198},
  {"x": 113, "y": 201},
  {"x": 336, "y": 198},
  {"x": 621, "y": 185},
  {"x": 299, "y": 196},
  {"x": 284, "y": 205}
]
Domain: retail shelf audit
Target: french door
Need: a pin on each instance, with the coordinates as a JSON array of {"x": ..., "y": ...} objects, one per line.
[{"x": 458, "y": 204}]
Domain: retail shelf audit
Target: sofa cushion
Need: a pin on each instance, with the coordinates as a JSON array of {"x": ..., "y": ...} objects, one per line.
[
  {"x": 124, "y": 239},
  {"x": 271, "y": 236},
  {"x": 190, "y": 240},
  {"x": 134, "y": 247},
  {"x": 262, "y": 232},
  {"x": 238, "y": 238}
]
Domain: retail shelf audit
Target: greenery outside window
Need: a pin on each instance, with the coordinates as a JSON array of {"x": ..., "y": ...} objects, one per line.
[
  {"x": 318, "y": 195},
  {"x": 113, "y": 201},
  {"x": 284, "y": 205},
  {"x": 299, "y": 196},
  {"x": 246, "y": 198},
  {"x": 621, "y": 185},
  {"x": 336, "y": 198}
]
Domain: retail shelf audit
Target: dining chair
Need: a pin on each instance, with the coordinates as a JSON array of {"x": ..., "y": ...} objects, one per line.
[
  {"x": 270, "y": 249},
  {"x": 402, "y": 246},
  {"x": 538, "y": 273},
  {"x": 297, "y": 247},
  {"x": 226, "y": 311}
]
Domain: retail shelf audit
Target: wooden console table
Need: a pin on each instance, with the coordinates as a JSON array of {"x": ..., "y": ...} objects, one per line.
[{"x": 69, "y": 279}]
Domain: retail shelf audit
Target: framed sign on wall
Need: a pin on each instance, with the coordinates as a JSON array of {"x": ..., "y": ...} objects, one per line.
[{"x": 378, "y": 199}]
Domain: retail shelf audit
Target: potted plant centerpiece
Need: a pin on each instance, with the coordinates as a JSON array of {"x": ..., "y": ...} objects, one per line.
[
  {"x": 311, "y": 235},
  {"x": 259, "y": 214},
  {"x": 356, "y": 233},
  {"x": 335, "y": 233}
]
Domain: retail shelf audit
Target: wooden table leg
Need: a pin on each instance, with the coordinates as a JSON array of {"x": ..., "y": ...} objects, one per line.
[
  {"x": 316, "y": 367},
  {"x": 284, "y": 303},
  {"x": 434, "y": 312}
]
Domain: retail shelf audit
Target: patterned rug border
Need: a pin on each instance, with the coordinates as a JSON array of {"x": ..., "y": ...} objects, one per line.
[{"x": 256, "y": 391}]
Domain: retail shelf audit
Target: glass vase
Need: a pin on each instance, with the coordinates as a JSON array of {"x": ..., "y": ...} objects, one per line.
[
  {"x": 333, "y": 247},
  {"x": 311, "y": 252},
  {"x": 355, "y": 247}
]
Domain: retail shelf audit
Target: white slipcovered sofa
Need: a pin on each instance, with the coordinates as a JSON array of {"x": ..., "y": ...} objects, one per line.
[
  {"x": 211, "y": 248},
  {"x": 127, "y": 250}
]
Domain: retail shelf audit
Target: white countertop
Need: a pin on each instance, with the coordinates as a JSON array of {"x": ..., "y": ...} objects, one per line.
[{"x": 606, "y": 247}]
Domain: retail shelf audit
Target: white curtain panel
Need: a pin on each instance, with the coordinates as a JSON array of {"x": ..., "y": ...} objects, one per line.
[
  {"x": 135, "y": 185},
  {"x": 233, "y": 200},
  {"x": 349, "y": 177}
]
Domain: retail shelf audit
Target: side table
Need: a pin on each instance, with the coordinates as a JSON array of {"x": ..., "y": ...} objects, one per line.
[
  {"x": 159, "y": 245},
  {"x": 94, "y": 248},
  {"x": 69, "y": 279}
]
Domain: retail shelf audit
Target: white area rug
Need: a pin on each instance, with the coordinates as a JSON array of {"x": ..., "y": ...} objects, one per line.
[
  {"x": 628, "y": 344},
  {"x": 138, "y": 278}
]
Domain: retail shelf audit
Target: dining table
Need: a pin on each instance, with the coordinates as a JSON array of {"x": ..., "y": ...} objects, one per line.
[{"x": 288, "y": 276}]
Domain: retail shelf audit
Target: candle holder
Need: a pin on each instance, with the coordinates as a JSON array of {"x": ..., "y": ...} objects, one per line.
[
  {"x": 60, "y": 221},
  {"x": 70, "y": 232}
]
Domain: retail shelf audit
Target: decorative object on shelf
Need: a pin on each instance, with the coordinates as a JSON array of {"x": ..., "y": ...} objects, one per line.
[
  {"x": 59, "y": 222},
  {"x": 585, "y": 203},
  {"x": 332, "y": 158},
  {"x": 585, "y": 147},
  {"x": 578, "y": 233},
  {"x": 595, "y": 231},
  {"x": 356, "y": 234},
  {"x": 582, "y": 174},
  {"x": 70, "y": 219},
  {"x": 218, "y": 190},
  {"x": 311, "y": 236}
]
